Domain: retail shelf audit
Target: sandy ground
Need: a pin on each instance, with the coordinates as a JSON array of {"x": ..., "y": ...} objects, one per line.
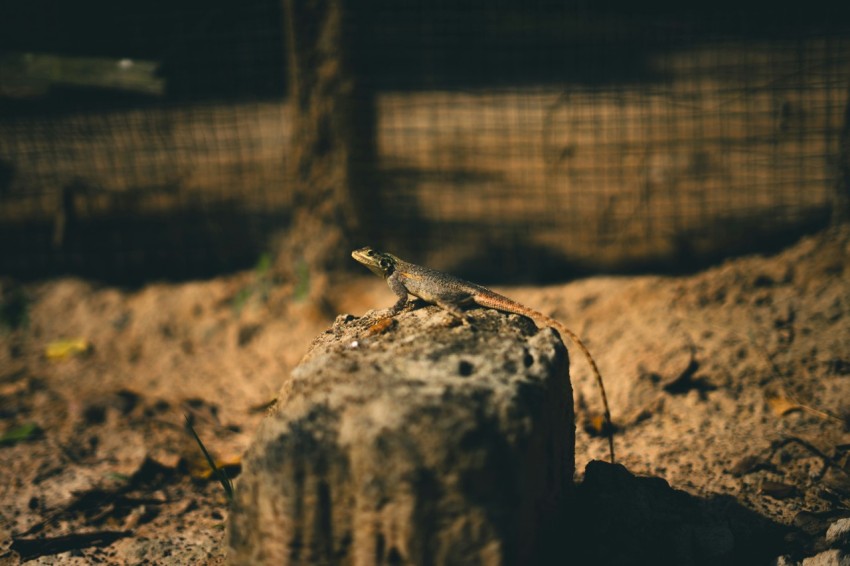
[{"x": 733, "y": 382}]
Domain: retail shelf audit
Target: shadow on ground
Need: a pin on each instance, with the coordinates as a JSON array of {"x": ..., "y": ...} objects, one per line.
[
  {"x": 129, "y": 248},
  {"x": 620, "y": 518}
]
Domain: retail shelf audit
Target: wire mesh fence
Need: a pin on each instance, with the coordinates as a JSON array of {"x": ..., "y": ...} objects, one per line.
[
  {"x": 739, "y": 141},
  {"x": 546, "y": 138}
]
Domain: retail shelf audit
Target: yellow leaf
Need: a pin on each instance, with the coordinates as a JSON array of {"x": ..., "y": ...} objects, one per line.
[
  {"x": 201, "y": 469},
  {"x": 61, "y": 349},
  {"x": 781, "y": 405},
  {"x": 596, "y": 425}
]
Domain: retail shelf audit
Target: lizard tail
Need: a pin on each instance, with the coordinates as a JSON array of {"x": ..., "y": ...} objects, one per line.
[{"x": 609, "y": 425}]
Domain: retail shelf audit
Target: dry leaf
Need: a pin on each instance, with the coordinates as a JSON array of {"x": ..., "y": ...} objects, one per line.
[
  {"x": 262, "y": 407},
  {"x": 778, "y": 490},
  {"x": 596, "y": 425},
  {"x": 380, "y": 327},
  {"x": 781, "y": 405}
]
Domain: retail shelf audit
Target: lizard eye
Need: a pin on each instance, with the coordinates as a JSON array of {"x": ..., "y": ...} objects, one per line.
[{"x": 370, "y": 253}]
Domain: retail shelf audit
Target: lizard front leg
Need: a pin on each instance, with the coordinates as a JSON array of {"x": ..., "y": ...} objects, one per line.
[{"x": 397, "y": 286}]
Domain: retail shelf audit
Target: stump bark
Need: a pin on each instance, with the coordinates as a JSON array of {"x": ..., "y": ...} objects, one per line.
[{"x": 417, "y": 441}]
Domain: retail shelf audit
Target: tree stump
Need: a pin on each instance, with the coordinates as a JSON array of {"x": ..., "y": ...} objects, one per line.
[{"x": 419, "y": 440}]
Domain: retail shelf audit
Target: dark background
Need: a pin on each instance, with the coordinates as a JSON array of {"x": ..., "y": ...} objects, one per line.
[{"x": 194, "y": 181}]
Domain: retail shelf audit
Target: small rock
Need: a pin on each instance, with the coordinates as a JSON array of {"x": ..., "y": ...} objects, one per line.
[
  {"x": 784, "y": 561},
  {"x": 813, "y": 524},
  {"x": 838, "y": 533},
  {"x": 831, "y": 557}
]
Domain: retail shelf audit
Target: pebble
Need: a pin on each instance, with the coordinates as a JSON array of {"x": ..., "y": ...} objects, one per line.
[
  {"x": 838, "y": 533},
  {"x": 832, "y": 557}
]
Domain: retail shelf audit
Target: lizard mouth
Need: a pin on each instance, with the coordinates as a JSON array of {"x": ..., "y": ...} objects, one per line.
[{"x": 370, "y": 261}]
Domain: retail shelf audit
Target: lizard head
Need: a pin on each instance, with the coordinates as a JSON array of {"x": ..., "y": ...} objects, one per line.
[{"x": 380, "y": 264}]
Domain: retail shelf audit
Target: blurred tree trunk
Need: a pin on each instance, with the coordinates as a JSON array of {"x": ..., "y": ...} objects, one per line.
[{"x": 333, "y": 140}]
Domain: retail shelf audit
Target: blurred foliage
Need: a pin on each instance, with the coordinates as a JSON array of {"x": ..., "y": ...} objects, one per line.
[
  {"x": 260, "y": 285},
  {"x": 219, "y": 472},
  {"x": 28, "y": 431}
]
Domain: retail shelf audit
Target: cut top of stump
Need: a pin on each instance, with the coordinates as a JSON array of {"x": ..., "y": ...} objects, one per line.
[{"x": 418, "y": 440}]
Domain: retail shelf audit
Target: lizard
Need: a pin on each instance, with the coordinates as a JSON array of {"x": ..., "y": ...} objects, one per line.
[{"x": 452, "y": 294}]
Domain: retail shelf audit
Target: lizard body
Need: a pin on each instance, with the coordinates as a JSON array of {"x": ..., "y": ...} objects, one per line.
[{"x": 452, "y": 294}]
